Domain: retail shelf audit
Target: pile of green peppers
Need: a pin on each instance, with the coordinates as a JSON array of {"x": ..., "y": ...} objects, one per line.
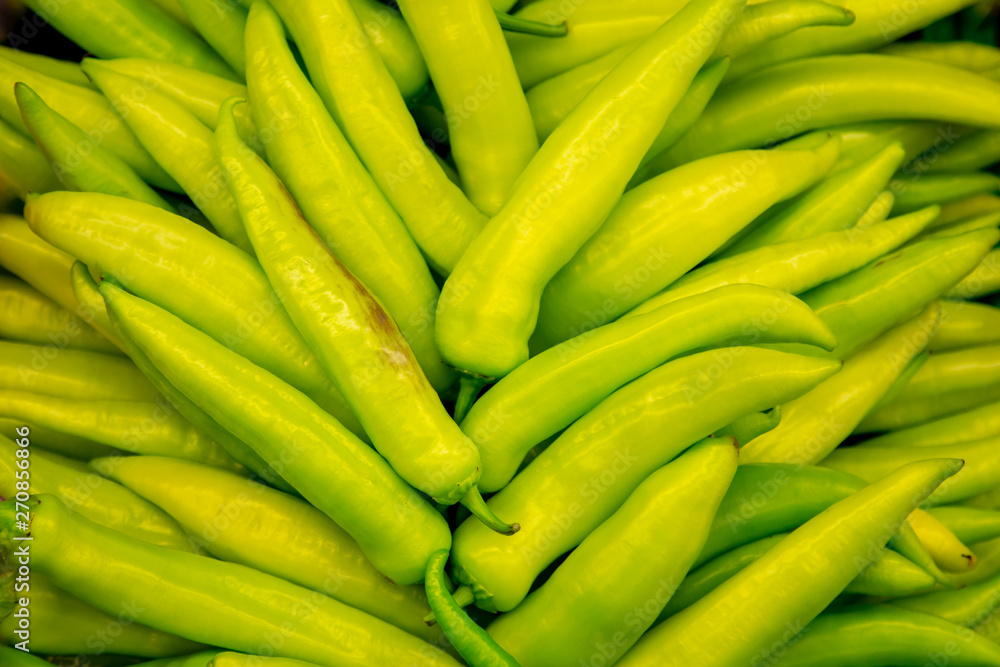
[{"x": 551, "y": 333}]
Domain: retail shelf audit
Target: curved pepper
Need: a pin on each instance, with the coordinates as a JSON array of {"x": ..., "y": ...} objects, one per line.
[
  {"x": 380, "y": 128},
  {"x": 56, "y": 442},
  {"x": 36, "y": 261},
  {"x": 92, "y": 303},
  {"x": 100, "y": 500},
  {"x": 121, "y": 28},
  {"x": 29, "y": 316},
  {"x": 356, "y": 341},
  {"x": 585, "y": 475},
  {"x": 976, "y": 150},
  {"x": 23, "y": 165},
  {"x": 395, "y": 527},
  {"x": 222, "y": 25},
  {"x": 972, "y": 56},
  {"x": 983, "y": 280},
  {"x": 620, "y": 568},
  {"x": 787, "y": 99},
  {"x": 226, "y": 605},
  {"x": 178, "y": 141},
  {"x": 88, "y": 110},
  {"x": 491, "y": 133},
  {"x": 489, "y": 304},
  {"x": 980, "y": 474},
  {"x": 146, "y": 249},
  {"x": 768, "y": 595},
  {"x": 943, "y": 545},
  {"x": 64, "y": 625},
  {"x": 975, "y": 424},
  {"x": 338, "y": 197},
  {"x": 79, "y": 162},
  {"x": 394, "y": 40},
  {"x": 926, "y": 189},
  {"x": 241, "y": 521},
  {"x": 521, "y": 410},
  {"x": 663, "y": 228},
  {"x": 64, "y": 70},
  {"x": 814, "y": 424}
]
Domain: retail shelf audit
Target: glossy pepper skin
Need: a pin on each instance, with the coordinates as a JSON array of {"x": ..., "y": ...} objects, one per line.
[
  {"x": 554, "y": 388},
  {"x": 23, "y": 164},
  {"x": 337, "y": 196},
  {"x": 622, "y": 566},
  {"x": 356, "y": 341},
  {"x": 814, "y": 424},
  {"x": 269, "y": 531},
  {"x": 463, "y": 45},
  {"x": 975, "y": 424},
  {"x": 64, "y": 625},
  {"x": 226, "y": 605},
  {"x": 663, "y": 228},
  {"x": 82, "y": 491},
  {"x": 395, "y": 527},
  {"x": 222, "y": 26},
  {"x": 147, "y": 249},
  {"x": 78, "y": 161},
  {"x": 178, "y": 141},
  {"x": 30, "y": 317},
  {"x": 36, "y": 261},
  {"x": 489, "y": 305},
  {"x": 120, "y": 28},
  {"x": 585, "y": 475},
  {"x": 380, "y": 128},
  {"x": 87, "y": 109},
  {"x": 768, "y": 594},
  {"x": 863, "y": 87}
]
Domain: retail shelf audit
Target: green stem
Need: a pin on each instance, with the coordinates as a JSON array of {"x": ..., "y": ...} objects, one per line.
[
  {"x": 474, "y": 502},
  {"x": 469, "y": 386},
  {"x": 526, "y": 27},
  {"x": 463, "y": 598}
]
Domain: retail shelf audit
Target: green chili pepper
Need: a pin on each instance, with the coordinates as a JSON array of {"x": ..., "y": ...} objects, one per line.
[
  {"x": 338, "y": 197},
  {"x": 983, "y": 280},
  {"x": 13, "y": 657},
  {"x": 395, "y": 43},
  {"x": 987, "y": 565},
  {"x": 963, "y": 226},
  {"x": 489, "y": 305},
  {"x": 82, "y": 491},
  {"x": 957, "y": 370},
  {"x": 861, "y": 305},
  {"x": 199, "y": 92},
  {"x": 595, "y": 28},
  {"x": 814, "y": 424},
  {"x": 92, "y": 304},
  {"x": 976, "y": 150},
  {"x": 64, "y": 625},
  {"x": 648, "y": 241},
  {"x": 471, "y": 641},
  {"x": 967, "y": 607},
  {"x": 551, "y": 390},
  {"x": 134, "y": 426},
  {"x": 225, "y": 604},
  {"x": 980, "y": 474},
  {"x": 493, "y": 142},
  {"x": 22, "y": 163},
  {"x": 146, "y": 249},
  {"x": 886, "y": 635},
  {"x": 394, "y": 526},
  {"x": 920, "y": 411},
  {"x": 34, "y": 260},
  {"x": 64, "y": 70},
  {"x": 975, "y": 424},
  {"x": 56, "y": 442},
  {"x": 79, "y": 162},
  {"x": 178, "y": 142},
  {"x": 355, "y": 339},
  {"x": 750, "y": 426},
  {"x": 891, "y": 575},
  {"x": 926, "y": 189},
  {"x": 221, "y": 23},
  {"x": 31, "y": 317},
  {"x": 969, "y": 524},
  {"x": 262, "y": 528},
  {"x": 965, "y": 55},
  {"x": 619, "y": 567},
  {"x": 766, "y": 21},
  {"x": 585, "y": 475},
  {"x": 440, "y": 218},
  {"x": 78, "y": 374},
  {"x": 796, "y": 266},
  {"x": 967, "y": 208},
  {"x": 834, "y": 205},
  {"x": 121, "y": 28},
  {"x": 783, "y": 100},
  {"x": 768, "y": 595},
  {"x": 88, "y": 110},
  {"x": 943, "y": 545},
  {"x": 877, "y": 22}
]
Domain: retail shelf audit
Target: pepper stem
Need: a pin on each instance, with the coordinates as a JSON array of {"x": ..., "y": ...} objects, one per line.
[
  {"x": 463, "y": 598},
  {"x": 473, "y": 501},
  {"x": 526, "y": 27},
  {"x": 469, "y": 387}
]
